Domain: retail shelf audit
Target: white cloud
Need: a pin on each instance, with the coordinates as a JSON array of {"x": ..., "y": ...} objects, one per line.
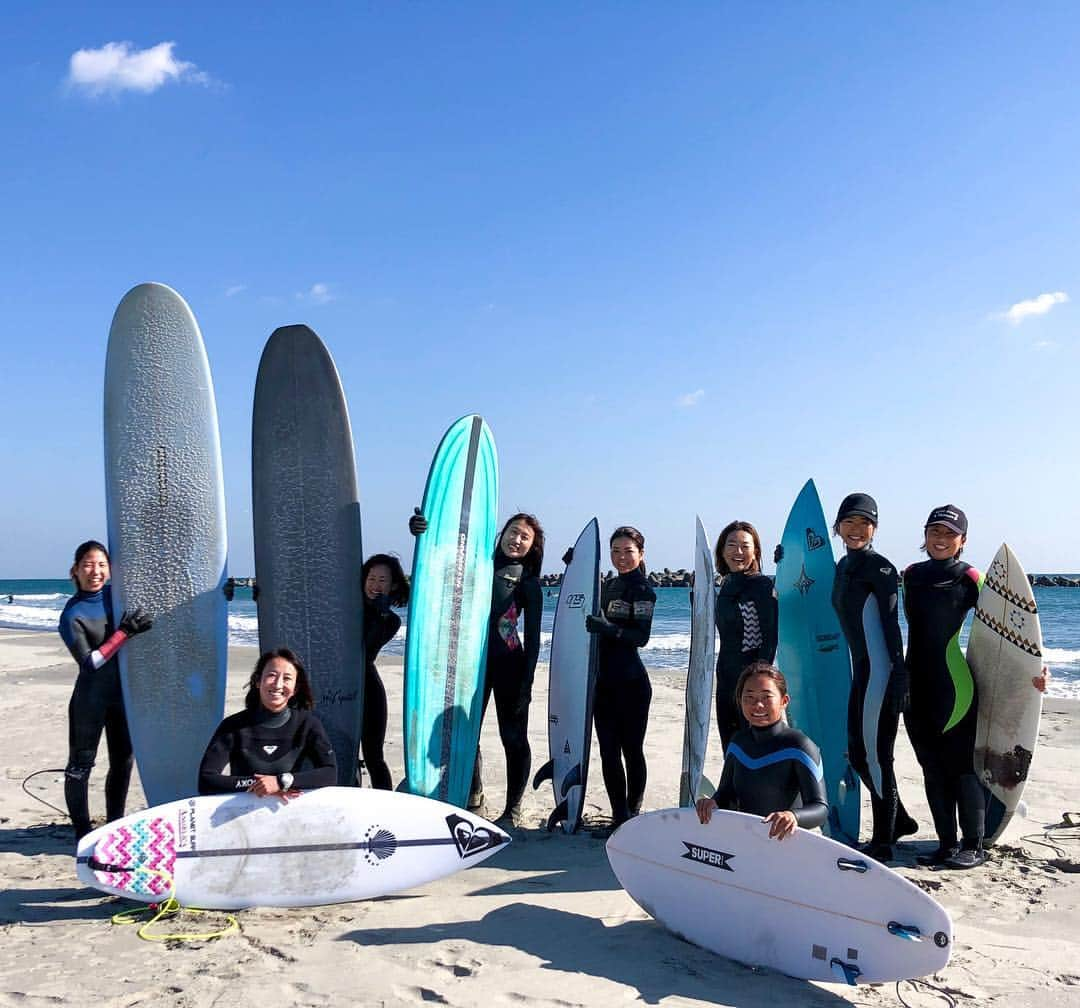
[
  {"x": 691, "y": 399},
  {"x": 235, "y": 289},
  {"x": 319, "y": 294},
  {"x": 119, "y": 66},
  {"x": 1045, "y": 344},
  {"x": 1034, "y": 306}
]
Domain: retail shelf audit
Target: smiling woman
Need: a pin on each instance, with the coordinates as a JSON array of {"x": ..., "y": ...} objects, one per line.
[{"x": 265, "y": 743}]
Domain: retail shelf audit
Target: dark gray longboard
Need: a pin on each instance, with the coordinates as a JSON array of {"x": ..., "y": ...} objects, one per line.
[{"x": 307, "y": 529}]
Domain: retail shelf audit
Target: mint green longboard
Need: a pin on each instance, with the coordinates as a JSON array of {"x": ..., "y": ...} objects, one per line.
[{"x": 449, "y": 610}]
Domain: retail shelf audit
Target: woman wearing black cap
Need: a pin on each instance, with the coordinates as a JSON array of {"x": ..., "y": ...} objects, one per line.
[
  {"x": 938, "y": 595},
  {"x": 863, "y": 578}
]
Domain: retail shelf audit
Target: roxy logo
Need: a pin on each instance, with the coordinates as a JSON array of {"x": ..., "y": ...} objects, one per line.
[{"x": 706, "y": 855}]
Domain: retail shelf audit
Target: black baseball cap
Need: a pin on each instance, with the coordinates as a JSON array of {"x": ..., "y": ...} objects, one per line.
[
  {"x": 858, "y": 504},
  {"x": 950, "y": 516}
]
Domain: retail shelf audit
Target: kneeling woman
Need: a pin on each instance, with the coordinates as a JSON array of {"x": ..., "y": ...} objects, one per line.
[
  {"x": 267, "y": 743},
  {"x": 769, "y": 764}
]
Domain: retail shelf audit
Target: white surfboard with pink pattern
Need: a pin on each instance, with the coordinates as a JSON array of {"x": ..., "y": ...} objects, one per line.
[{"x": 332, "y": 845}]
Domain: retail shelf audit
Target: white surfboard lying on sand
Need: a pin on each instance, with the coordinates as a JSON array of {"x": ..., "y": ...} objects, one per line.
[
  {"x": 807, "y": 906},
  {"x": 332, "y": 845},
  {"x": 1005, "y": 655}
]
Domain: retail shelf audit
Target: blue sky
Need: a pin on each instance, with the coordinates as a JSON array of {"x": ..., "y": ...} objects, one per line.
[{"x": 680, "y": 256}]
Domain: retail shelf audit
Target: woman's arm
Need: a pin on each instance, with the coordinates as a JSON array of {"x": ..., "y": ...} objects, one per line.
[
  {"x": 770, "y": 623},
  {"x": 533, "y": 601},
  {"x": 317, "y": 749},
  {"x": 212, "y": 778}
]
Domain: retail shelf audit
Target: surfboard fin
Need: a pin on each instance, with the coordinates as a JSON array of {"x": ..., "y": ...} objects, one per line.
[
  {"x": 572, "y": 779},
  {"x": 845, "y": 972},
  {"x": 546, "y": 772},
  {"x": 557, "y": 816},
  {"x": 706, "y": 788}
]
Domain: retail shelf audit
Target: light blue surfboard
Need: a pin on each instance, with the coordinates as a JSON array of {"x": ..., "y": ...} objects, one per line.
[
  {"x": 165, "y": 499},
  {"x": 449, "y": 611},
  {"x": 813, "y": 655}
]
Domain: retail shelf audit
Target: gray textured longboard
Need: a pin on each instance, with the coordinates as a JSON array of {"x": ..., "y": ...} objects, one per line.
[
  {"x": 307, "y": 529},
  {"x": 165, "y": 500},
  {"x": 701, "y": 669}
]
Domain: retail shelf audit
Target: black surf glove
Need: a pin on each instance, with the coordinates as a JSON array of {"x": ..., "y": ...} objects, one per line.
[
  {"x": 417, "y": 522},
  {"x": 135, "y": 621},
  {"x": 600, "y": 625}
]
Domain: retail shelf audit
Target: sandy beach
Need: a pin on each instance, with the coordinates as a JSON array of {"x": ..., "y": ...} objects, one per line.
[{"x": 543, "y": 922}]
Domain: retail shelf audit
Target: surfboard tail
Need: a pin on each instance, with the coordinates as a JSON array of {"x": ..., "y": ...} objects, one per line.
[{"x": 546, "y": 772}]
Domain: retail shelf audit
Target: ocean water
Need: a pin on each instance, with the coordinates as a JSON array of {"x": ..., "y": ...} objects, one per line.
[{"x": 36, "y": 605}]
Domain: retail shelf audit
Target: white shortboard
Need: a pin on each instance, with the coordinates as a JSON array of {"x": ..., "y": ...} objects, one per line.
[
  {"x": 1005, "y": 655},
  {"x": 165, "y": 499},
  {"x": 807, "y": 906},
  {"x": 700, "y": 671},
  {"x": 572, "y": 679},
  {"x": 876, "y": 688},
  {"x": 332, "y": 845}
]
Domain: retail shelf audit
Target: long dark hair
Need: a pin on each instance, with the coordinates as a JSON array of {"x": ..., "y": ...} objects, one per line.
[
  {"x": 631, "y": 533},
  {"x": 399, "y": 588},
  {"x": 737, "y": 526},
  {"x": 534, "y": 559},
  {"x": 302, "y": 697},
  {"x": 81, "y": 550}
]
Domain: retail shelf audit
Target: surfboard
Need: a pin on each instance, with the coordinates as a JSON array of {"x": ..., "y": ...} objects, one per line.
[
  {"x": 306, "y": 515},
  {"x": 332, "y": 845},
  {"x": 165, "y": 501},
  {"x": 571, "y": 680},
  {"x": 877, "y": 686},
  {"x": 449, "y": 610},
  {"x": 1005, "y": 653},
  {"x": 813, "y": 655},
  {"x": 700, "y": 671},
  {"x": 808, "y": 906}
]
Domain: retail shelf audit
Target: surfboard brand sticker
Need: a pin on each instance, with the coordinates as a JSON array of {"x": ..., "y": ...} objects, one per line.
[
  {"x": 470, "y": 838},
  {"x": 813, "y": 540},
  {"x": 707, "y": 856},
  {"x": 803, "y": 584},
  {"x": 575, "y": 600}
]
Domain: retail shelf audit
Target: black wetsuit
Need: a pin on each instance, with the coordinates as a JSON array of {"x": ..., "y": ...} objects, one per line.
[
  {"x": 511, "y": 666},
  {"x": 261, "y": 742},
  {"x": 746, "y": 619},
  {"x": 859, "y": 574},
  {"x": 97, "y": 703},
  {"x": 940, "y": 722},
  {"x": 767, "y": 769},
  {"x": 623, "y": 691},
  {"x": 380, "y": 625}
]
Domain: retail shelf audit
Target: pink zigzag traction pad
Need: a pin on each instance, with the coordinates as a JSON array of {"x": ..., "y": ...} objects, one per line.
[{"x": 147, "y": 848}]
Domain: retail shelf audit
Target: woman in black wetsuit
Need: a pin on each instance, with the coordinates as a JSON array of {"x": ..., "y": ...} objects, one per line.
[
  {"x": 938, "y": 595},
  {"x": 511, "y": 656},
  {"x": 862, "y": 573},
  {"x": 623, "y": 691},
  {"x": 746, "y": 619},
  {"x": 265, "y": 745},
  {"x": 769, "y": 764},
  {"x": 97, "y": 702},
  {"x": 385, "y": 585}
]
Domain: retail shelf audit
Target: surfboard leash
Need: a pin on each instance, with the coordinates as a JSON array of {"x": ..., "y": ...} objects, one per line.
[
  {"x": 924, "y": 987},
  {"x": 29, "y": 793},
  {"x": 170, "y": 907},
  {"x": 1054, "y": 836}
]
